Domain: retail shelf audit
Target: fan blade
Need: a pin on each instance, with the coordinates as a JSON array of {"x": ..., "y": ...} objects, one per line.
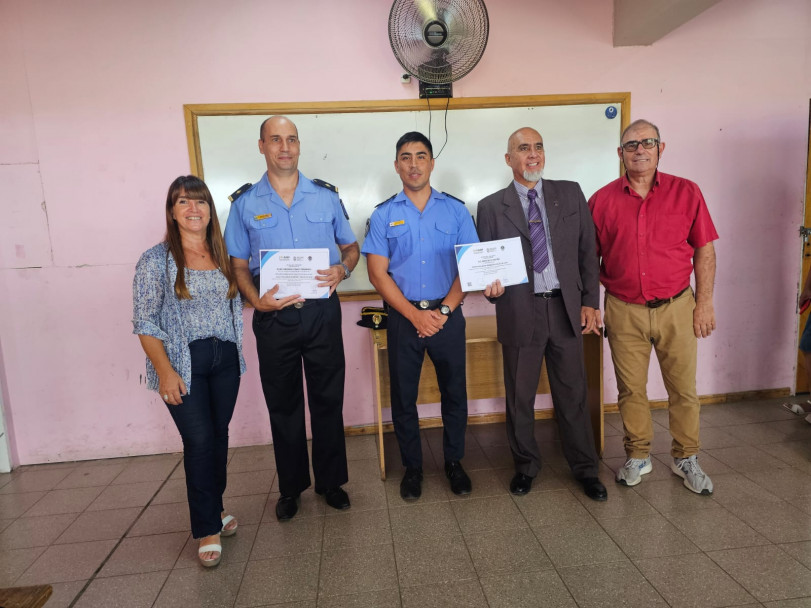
[
  {"x": 426, "y": 9},
  {"x": 432, "y": 56}
]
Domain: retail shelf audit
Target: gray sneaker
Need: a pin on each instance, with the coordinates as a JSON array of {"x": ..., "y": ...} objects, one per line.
[
  {"x": 631, "y": 474},
  {"x": 695, "y": 479}
]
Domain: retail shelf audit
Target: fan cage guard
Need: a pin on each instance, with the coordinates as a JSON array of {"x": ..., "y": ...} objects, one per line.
[{"x": 468, "y": 29}]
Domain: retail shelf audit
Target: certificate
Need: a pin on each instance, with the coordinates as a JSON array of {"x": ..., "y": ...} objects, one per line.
[
  {"x": 482, "y": 263},
  {"x": 294, "y": 271}
]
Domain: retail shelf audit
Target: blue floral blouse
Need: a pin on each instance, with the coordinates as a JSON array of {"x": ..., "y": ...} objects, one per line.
[{"x": 157, "y": 312}]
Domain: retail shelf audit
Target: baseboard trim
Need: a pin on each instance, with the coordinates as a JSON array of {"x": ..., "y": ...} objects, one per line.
[
  {"x": 772, "y": 393},
  {"x": 436, "y": 421},
  {"x": 548, "y": 414}
]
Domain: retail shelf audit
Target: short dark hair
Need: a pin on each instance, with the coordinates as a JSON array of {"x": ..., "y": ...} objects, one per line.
[
  {"x": 411, "y": 137},
  {"x": 262, "y": 129}
]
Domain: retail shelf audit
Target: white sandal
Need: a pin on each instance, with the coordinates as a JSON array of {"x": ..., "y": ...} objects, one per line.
[
  {"x": 212, "y": 547},
  {"x": 230, "y": 531},
  {"x": 795, "y": 408}
]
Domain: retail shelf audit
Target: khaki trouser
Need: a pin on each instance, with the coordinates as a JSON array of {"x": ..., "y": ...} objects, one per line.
[{"x": 632, "y": 330}]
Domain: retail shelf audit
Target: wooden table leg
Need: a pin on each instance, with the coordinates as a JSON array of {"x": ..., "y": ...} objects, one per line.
[
  {"x": 381, "y": 452},
  {"x": 593, "y": 359}
]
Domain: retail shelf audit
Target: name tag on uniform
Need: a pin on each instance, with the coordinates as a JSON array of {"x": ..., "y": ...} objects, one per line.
[
  {"x": 264, "y": 216},
  {"x": 397, "y": 223}
]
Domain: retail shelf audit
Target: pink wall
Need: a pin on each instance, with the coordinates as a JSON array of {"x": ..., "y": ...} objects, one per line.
[{"x": 91, "y": 123}]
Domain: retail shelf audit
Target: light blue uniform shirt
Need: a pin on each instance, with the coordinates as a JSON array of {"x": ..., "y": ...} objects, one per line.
[
  {"x": 420, "y": 246},
  {"x": 548, "y": 279},
  {"x": 260, "y": 219}
]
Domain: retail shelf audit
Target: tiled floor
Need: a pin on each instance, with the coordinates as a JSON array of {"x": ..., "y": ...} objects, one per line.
[{"x": 115, "y": 533}]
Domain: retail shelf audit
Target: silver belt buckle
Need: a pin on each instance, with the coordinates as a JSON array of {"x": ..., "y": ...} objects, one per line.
[
  {"x": 424, "y": 304},
  {"x": 298, "y": 305}
]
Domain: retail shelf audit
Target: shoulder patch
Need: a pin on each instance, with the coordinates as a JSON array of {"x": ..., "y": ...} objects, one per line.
[
  {"x": 458, "y": 200},
  {"x": 386, "y": 201},
  {"x": 331, "y": 188},
  {"x": 240, "y": 191},
  {"x": 327, "y": 185}
]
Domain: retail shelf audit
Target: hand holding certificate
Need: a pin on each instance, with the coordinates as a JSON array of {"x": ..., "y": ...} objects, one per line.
[
  {"x": 482, "y": 263},
  {"x": 294, "y": 271}
]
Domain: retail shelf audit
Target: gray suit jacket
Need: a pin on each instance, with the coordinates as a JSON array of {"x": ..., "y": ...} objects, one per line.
[{"x": 574, "y": 247}]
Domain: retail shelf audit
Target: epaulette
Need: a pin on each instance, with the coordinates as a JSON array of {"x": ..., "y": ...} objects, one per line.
[
  {"x": 386, "y": 201},
  {"x": 458, "y": 200},
  {"x": 331, "y": 188},
  {"x": 327, "y": 185},
  {"x": 240, "y": 191}
]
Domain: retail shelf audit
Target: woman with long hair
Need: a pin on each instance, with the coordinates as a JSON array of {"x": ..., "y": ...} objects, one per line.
[{"x": 188, "y": 317}]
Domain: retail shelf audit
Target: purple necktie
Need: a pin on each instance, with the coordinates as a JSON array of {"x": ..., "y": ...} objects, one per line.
[{"x": 537, "y": 234}]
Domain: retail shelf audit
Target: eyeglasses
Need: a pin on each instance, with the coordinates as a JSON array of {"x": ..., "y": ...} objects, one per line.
[{"x": 631, "y": 146}]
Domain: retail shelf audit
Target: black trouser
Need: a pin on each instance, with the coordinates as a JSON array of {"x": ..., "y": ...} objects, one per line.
[
  {"x": 202, "y": 419},
  {"x": 554, "y": 340},
  {"x": 284, "y": 340},
  {"x": 406, "y": 354}
]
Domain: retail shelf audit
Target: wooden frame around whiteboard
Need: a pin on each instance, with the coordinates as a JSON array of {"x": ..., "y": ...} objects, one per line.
[{"x": 192, "y": 111}]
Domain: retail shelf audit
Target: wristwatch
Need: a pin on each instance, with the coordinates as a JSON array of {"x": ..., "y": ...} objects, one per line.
[
  {"x": 445, "y": 310},
  {"x": 347, "y": 272}
]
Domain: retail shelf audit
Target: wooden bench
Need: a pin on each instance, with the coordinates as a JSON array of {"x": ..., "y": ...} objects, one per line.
[
  {"x": 25, "y": 597},
  {"x": 485, "y": 376}
]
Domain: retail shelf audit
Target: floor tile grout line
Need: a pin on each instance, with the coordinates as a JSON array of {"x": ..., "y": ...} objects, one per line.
[
  {"x": 551, "y": 561},
  {"x": 320, "y": 561},
  {"x": 601, "y": 521},
  {"x": 706, "y": 553},
  {"x": 391, "y": 529},
  {"x": 467, "y": 548},
  {"x": 123, "y": 536},
  {"x": 253, "y": 543}
]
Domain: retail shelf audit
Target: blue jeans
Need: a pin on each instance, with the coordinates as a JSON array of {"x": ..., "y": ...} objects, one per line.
[{"x": 202, "y": 420}]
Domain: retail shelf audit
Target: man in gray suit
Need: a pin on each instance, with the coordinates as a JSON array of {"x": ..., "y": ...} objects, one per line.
[{"x": 547, "y": 316}]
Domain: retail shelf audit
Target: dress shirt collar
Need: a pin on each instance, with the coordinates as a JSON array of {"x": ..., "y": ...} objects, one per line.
[
  {"x": 522, "y": 190},
  {"x": 626, "y": 184}
]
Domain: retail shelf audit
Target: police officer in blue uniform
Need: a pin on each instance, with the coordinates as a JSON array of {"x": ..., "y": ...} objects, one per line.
[
  {"x": 285, "y": 210},
  {"x": 410, "y": 256}
]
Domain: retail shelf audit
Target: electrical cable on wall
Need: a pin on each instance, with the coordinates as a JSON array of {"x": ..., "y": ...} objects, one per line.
[{"x": 447, "y": 103}]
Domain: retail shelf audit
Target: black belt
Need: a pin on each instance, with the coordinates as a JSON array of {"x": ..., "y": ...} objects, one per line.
[
  {"x": 427, "y": 304},
  {"x": 310, "y": 302},
  {"x": 555, "y": 293},
  {"x": 657, "y": 302}
]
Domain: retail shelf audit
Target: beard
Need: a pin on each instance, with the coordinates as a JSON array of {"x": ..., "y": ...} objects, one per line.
[{"x": 533, "y": 176}]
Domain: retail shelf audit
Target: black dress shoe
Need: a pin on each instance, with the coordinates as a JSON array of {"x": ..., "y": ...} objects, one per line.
[
  {"x": 286, "y": 507},
  {"x": 521, "y": 484},
  {"x": 594, "y": 488},
  {"x": 337, "y": 498},
  {"x": 411, "y": 485},
  {"x": 460, "y": 482}
]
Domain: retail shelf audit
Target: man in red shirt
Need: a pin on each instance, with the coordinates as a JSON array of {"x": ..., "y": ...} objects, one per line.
[{"x": 652, "y": 230}]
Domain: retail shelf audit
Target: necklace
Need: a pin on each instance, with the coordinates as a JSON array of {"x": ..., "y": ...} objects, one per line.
[{"x": 189, "y": 250}]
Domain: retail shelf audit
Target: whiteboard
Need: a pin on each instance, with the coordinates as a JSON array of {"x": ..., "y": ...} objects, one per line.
[{"x": 355, "y": 151}]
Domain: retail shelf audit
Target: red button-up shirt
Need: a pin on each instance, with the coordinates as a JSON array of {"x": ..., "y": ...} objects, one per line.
[{"x": 647, "y": 246}]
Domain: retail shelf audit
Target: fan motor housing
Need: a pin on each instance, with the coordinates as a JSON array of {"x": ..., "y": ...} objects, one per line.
[{"x": 435, "y": 33}]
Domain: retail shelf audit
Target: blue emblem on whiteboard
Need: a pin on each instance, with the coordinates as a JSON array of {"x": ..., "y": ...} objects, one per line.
[{"x": 611, "y": 112}]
